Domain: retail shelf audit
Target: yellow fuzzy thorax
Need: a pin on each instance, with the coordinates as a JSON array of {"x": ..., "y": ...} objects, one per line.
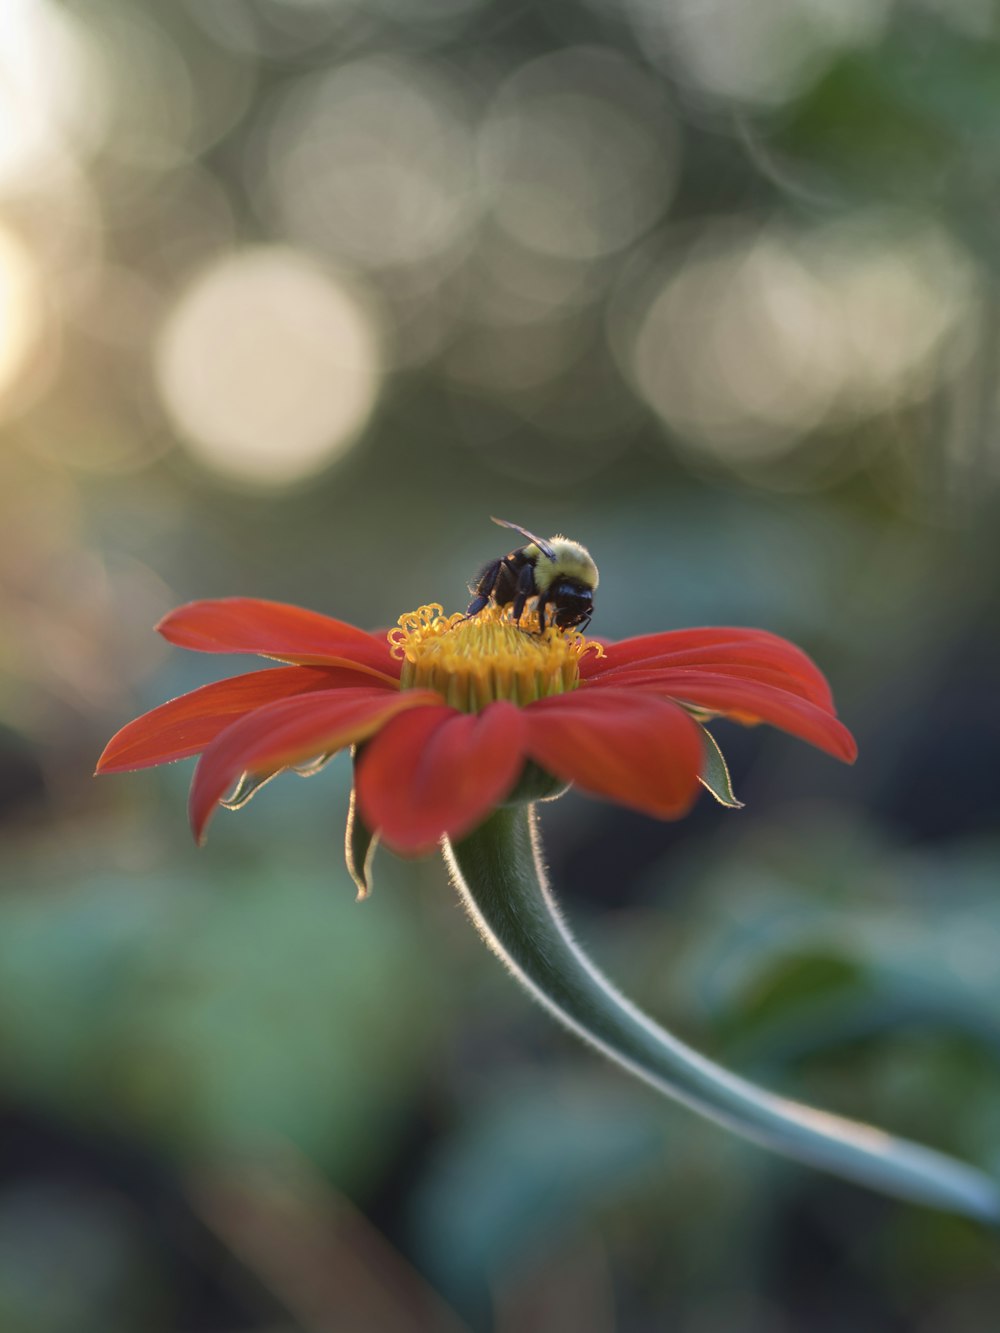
[
  {"x": 473, "y": 661},
  {"x": 572, "y": 560}
]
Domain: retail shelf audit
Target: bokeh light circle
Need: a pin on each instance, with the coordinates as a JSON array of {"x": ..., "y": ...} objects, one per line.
[
  {"x": 371, "y": 162},
  {"x": 269, "y": 366},
  {"x": 762, "y": 53},
  {"x": 738, "y": 349},
  {"x": 755, "y": 338},
  {"x": 578, "y": 154},
  {"x": 273, "y": 29}
]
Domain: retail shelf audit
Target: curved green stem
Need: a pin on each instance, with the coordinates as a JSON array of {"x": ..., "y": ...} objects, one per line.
[{"x": 499, "y": 875}]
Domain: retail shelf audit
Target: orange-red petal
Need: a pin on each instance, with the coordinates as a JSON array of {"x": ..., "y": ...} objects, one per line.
[
  {"x": 437, "y": 772},
  {"x": 185, "y": 725},
  {"x": 723, "y": 649},
  {"x": 288, "y": 732},
  {"x": 751, "y": 701},
  {"x": 275, "y": 629},
  {"x": 633, "y": 748},
  {"x": 643, "y": 676}
]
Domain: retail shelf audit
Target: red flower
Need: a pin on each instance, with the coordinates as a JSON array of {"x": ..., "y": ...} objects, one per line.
[{"x": 447, "y": 711}]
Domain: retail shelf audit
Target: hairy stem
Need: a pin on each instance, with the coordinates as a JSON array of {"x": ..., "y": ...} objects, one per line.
[{"x": 499, "y": 874}]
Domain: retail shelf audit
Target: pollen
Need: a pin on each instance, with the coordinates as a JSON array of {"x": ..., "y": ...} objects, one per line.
[{"x": 473, "y": 661}]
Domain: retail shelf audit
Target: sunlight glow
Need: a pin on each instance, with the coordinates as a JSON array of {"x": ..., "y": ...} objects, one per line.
[
  {"x": 51, "y": 97},
  {"x": 21, "y": 308}
]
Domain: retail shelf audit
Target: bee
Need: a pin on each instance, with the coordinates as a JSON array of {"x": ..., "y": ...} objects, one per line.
[{"x": 560, "y": 573}]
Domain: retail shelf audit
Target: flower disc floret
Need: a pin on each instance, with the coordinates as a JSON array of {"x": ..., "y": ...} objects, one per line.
[{"x": 475, "y": 661}]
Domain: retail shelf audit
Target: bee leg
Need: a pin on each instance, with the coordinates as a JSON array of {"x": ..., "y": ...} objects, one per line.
[
  {"x": 525, "y": 585},
  {"x": 484, "y": 586}
]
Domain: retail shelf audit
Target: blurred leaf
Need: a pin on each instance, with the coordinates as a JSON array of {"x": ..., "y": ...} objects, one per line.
[
  {"x": 908, "y": 117},
  {"x": 798, "y": 984},
  {"x": 215, "y": 1011},
  {"x": 813, "y": 952},
  {"x": 518, "y": 1175},
  {"x": 854, "y": 126}
]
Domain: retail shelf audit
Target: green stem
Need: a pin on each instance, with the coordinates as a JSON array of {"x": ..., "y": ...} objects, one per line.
[{"x": 499, "y": 874}]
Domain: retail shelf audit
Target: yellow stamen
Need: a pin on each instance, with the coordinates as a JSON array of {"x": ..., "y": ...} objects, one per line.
[{"x": 473, "y": 661}]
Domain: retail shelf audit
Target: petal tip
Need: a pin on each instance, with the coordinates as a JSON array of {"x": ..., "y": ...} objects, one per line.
[
  {"x": 844, "y": 747},
  {"x": 164, "y": 622},
  {"x": 107, "y": 762},
  {"x": 106, "y": 759},
  {"x": 199, "y": 819}
]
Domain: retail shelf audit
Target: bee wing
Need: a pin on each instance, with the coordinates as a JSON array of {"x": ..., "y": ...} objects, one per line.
[{"x": 542, "y": 545}]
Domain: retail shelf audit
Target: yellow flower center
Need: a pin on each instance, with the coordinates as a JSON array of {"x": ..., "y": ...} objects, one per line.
[{"x": 473, "y": 661}]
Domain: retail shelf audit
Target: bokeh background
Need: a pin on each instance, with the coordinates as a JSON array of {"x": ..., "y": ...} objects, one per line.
[{"x": 294, "y": 294}]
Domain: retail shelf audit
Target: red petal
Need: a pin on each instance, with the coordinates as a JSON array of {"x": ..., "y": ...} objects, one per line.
[
  {"x": 714, "y": 650},
  {"x": 611, "y": 743},
  {"x": 753, "y": 701},
  {"x": 436, "y": 772},
  {"x": 647, "y": 675},
  {"x": 273, "y": 629},
  {"x": 184, "y": 726},
  {"x": 289, "y": 731}
]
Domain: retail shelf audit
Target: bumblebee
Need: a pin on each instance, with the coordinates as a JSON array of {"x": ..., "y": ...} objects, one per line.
[{"x": 559, "y": 573}]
